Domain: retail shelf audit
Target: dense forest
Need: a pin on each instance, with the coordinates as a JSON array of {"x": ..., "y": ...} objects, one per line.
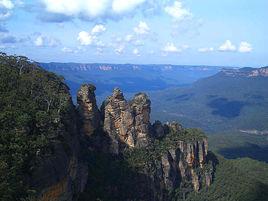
[{"x": 32, "y": 102}]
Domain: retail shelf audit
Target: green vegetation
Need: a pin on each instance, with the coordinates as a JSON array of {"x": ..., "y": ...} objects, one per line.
[
  {"x": 144, "y": 157},
  {"x": 216, "y": 104},
  {"x": 32, "y": 104},
  {"x": 129, "y": 176},
  {"x": 236, "y": 180},
  {"x": 238, "y": 145}
]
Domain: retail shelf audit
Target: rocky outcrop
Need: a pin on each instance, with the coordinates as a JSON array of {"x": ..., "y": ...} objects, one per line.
[
  {"x": 263, "y": 72},
  {"x": 141, "y": 108},
  {"x": 127, "y": 126},
  {"x": 88, "y": 109},
  {"x": 246, "y": 72},
  {"x": 126, "y": 123},
  {"x": 184, "y": 164},
  {"x": 118, "y": 122}
]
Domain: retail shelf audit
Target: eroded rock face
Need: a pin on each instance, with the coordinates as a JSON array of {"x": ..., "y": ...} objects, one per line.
[
  {"x": 127, "y": 126},
  {"x": 88, "y": 109},
  {"x": 259, "y": 72},
  {"x": 181, "y": 164},
  {"x": 141, "y": 108},
  {"x": 118, "y": 121},
  {"x": 127, "y": 123}
]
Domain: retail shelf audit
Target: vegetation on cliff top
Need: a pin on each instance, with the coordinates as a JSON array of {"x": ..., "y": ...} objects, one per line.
[
  {"x": 139, "y": 157},
  {"x": 32, "y": 103}
]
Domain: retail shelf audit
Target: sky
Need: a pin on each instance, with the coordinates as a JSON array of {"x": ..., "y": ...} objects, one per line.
[{"x": 183, "y": 32}]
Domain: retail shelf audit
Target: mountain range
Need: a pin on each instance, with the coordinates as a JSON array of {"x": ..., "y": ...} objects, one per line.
[{"x": 129, "y": 77}]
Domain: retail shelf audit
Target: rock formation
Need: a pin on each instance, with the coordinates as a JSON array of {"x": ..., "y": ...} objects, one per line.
[
  {"x": 118, "y": 122},
  {"x": 88, "y": 109},
  {"x": 126, "y": 123},
  {"x": 127, "y": 126},
  {"x": 141, "y": 108},
  {"x": 263, "y": 72},
  {"x": 181, "y": 164}
]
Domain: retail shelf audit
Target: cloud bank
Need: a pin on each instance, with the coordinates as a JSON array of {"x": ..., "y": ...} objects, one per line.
[{"x": 93, "y": 8}]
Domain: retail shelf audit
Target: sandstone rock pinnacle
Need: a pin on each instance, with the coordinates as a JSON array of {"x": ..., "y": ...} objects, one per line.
[{"x": 88, "y": 110}]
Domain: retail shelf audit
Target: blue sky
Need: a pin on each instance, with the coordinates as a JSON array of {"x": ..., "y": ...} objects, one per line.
[{"x": 191, "y": 32}]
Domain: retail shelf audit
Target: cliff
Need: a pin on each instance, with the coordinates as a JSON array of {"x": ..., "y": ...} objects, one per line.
[
  {"x": 51, "y": 150},
  {"x": 40, "y": 149},
  {"x": 163, "y": 158},
  {"x": 246, "y": 72}
]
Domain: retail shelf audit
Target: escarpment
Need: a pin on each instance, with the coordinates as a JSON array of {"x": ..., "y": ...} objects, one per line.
[
  {"x": 51, "y": 150},
  {"x": 165, "y": 157},
  {"x": 40, "y": 149}
]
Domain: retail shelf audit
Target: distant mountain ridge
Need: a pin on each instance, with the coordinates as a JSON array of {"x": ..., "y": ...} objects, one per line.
[
  {"x": 231, "y": 100},
  {"x": 246, "y": 72},
  {"x": 109, "y": 67},
  {"x": 131, "y": 78}
]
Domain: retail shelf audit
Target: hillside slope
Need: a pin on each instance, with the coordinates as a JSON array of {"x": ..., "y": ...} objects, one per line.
[
  {"x": 39, "y": 145},
  {"x": 230, "y": 101},
  {"x": 236, "y": 180}
]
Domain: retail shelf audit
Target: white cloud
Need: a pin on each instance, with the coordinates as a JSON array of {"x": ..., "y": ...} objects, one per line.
[
  {"x": 97, "y": 29},
  {"x": 142, "y": 28},
  {"x": 171, "y": 48},
  {"x": 99, "y": 43},
  {"x": 4, "y": 15},
  {"x": 227, "y": 46},
  {"x": 120, "y": 49},
  {"x": 136, "y": 52},
  {"x": 129, "y": 38},
  {"x": 90, "y": 38},
  {"x": 41, "y": 41},
  {"x": 67, "y": 50},
  {"x": 138, "y": 43},
  {"x": 121, "y": 6},
  {"x": 177, "y": 11},
  {"x": 206, "y": 49},
  {"x": 6, "y": 4},
  {"x": 91, "y": 8},
  {"x": 85, "y": 38},
  {"x": 67, "y": 7},
  {"x": 245, "y": 47},
  {"x": 6, "y": 7},
  {"x": 99, "y": 51}
]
